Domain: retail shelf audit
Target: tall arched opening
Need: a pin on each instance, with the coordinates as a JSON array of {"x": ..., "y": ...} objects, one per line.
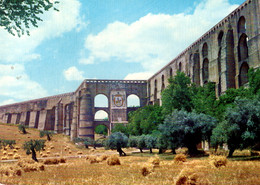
[
  {"x": 242, "y": 47},
  {"x": 230, "y": 60},
  {"x": 241, "y": 25},
  {"x": 243, "y": 74},
  {"x": 205, "y": 71},
  {"x": 196, "y": 69}
]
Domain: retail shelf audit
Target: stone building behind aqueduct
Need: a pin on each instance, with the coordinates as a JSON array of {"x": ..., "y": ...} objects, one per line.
[{"x": 222, "y": 55}]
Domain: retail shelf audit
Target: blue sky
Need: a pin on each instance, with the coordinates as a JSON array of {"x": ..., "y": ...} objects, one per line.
[{"x": 104, "y": 39}]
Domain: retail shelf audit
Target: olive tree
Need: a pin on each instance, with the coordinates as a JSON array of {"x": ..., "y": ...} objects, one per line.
[
  {"x": 117, "y": 140},
  {"x": 243, "y": 128},
  {"x": 150, "y": 142},
  {"x": 46, "y": 133},
  {"x": 32, "y": 146},
  {"x": 22, "y": 128},
  {"x": 187, "y": 129}
]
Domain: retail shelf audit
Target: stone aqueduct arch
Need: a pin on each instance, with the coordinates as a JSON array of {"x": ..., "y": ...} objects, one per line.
[{"x": 222, "y": 55}]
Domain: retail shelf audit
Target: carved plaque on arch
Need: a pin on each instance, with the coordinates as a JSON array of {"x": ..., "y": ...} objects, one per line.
[{"x": 118, "y": 99}]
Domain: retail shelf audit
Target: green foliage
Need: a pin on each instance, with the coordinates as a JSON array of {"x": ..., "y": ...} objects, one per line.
[
  {"x": 86, "y": 141},
  {"x": 132, "y": 141},
  {"x": 36, "y": 144},
  {"x": 243, "y": 128},
  {"x": 254, "y": 80},
  {"x": 19, "y": 15},
  {"x": 145, "y": 120},
  {"x": 101, "y": 129},
  {"x": 32, "y": 146},
  {"x": 23, "y": 128},
  {"x": 141, "y": 142},
  {"x": 47, "y": 133},
  {"x": 186, "y": 129},
  {"x": 219, "y": 136},
  {"x": 150, "y": 142},
  {"x": 120, "y": 127},
  {"x": 204, "y": 99},
  {"x": 178, "y": 94},
  {"x": 117, "y": 140}
]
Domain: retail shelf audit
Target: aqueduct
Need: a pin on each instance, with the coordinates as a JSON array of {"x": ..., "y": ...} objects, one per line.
[{"x": 222, "y": 55}]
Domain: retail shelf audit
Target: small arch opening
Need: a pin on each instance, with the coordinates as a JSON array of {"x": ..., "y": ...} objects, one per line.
[
  {"x": 242, "y": 47},
  {"x": 163, "y": 85},
  {"x": 180, "y": 66},
  {"x": 170, "y": 72},
  {"x": 133, "y": 101},
  {"x": 241, "y": 25},
  {"x": 205, "y": 50},
  {"x": 101, "y": 100},
  {"x": 101, "y": 115}
]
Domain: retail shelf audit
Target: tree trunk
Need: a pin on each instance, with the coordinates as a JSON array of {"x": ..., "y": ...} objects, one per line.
[
  {"x": 86, "y": 146},
  {"x": 34, "y": 155},
  {"x": 192, "y": 150},
  {"x": 231, "y": 151},
  {"x": 121, "y": 152},
  {"x": 48, "y": 137},
  {"x": 24, "y": 131},
  {"x": 173, "y": 151},
  {"x": 216, "y": 148},
  {"x": 161, "y": 151},
  {"x": 151, "y": 150},
  {"x": 141, "y": 150}
]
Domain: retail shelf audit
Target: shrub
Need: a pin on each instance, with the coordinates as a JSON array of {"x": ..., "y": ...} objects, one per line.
[
  {"x": 218, "y": 161},
  {"x": 113, "y": 160},
  {"x": 180, "y": 158}
]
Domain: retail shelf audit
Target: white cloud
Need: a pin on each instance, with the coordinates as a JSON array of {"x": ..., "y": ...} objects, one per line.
[
  {"x": 138, "y": 76},
  {"x": 154, "y": 40},
  {"x": 15, "y": 84},
  {"x": 73, "y": 73},
  {"x": 15, "y": 49}
]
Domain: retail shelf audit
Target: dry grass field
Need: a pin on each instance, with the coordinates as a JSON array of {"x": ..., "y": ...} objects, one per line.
[{"x": 93, "y": 168}]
